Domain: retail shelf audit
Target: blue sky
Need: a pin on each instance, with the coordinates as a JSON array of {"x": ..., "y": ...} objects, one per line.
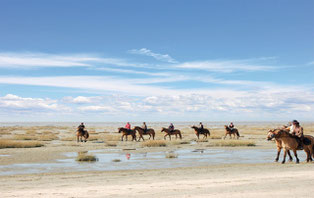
[{"x": 156, "y": 60}]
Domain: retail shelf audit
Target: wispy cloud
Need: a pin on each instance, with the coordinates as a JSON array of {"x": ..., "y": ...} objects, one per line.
[
  {"x": 248, "y": 65},
  {"x": 33, "y": 60},
  {"x": 147, "y": 52}
]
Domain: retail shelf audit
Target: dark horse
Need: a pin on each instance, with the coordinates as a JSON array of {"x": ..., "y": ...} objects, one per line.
[
  {"x": 169, "y": 133},
  {"x": 141, "y": 132},
  {"x": 126, "y": 132},
  {"x": 233, "y": 131},
  {"x": 199, "y": 131},
  {"x": 80, "y": 133}
]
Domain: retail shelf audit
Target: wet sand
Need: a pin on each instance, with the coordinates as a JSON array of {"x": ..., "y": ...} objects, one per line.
[{"x": 254, "y": 180}]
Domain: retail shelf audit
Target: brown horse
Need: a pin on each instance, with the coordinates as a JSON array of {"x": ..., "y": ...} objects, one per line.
[
  {"x": 230, "y": 132},
  {"x": 199, "y": 131},
  {"x": 279, "y": 145},
  {"x": 289, "y": 142},
  {"x": 141, "y": 132},
  {"x": 126, "y": 132},
  {"x": 169, "y": 133},
  {"x": 80, "y": 134}
]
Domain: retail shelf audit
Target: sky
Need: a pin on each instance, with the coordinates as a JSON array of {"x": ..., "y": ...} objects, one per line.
[{"x": 178, "y": 60}]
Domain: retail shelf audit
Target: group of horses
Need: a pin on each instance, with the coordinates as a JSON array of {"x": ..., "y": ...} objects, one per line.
[
  {"x": 285, "y": 140},
  {"x": 151, "y": 132}
]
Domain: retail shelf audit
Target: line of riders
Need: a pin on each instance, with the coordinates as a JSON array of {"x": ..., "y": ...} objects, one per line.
[
  {"x": 144, "y": 130},
  {"x": 293, "y": 127}
]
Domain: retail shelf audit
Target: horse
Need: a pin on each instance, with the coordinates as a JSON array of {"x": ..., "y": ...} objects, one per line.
[
  {"x": 233, "y": 131},
  {"x": 80, "y": 133},
  {"x": 126, "y": 132},
  {"x": 289, "y": 142},
  {"x": 279, "y": 145},
  {"x": 169, "y": 133},
  {"x": 199, "y": 131},
  {"x": 141, "y": 132}
]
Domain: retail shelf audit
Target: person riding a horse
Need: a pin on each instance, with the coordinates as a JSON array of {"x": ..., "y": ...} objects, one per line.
[
  {"x": 81, "y": 128},
  {"x": 128, "y": 126},
  {"x": 144, "y": 126},
  {"x": 297, "y": 131},
  {"x": 171, "y": 128},
  {"x": 231, "y": 126},
  {"x": 201, "y": 127}
]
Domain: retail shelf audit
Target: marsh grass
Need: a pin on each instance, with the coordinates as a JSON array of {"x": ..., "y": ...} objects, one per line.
[
  {"x": 111, "y": 137},
  {"x": 83, "y": 157},
  {"x": 25, "y": 137},
  {"x": 111, "y": 144},
  {"x": 178, "y": 142},
  {"x": 19, "y": 144},
  {"x": 215, "y": 137},
  {"x": 233, "y": 143},
  {"x": 116, "y": 160},
  {"x": 48, "y": 137},
  {"x": 171, "y": 155},
  {"x": 154, "y": 143},
  {"x": 201, "y": 140},
  {"x": 72, "y": 138}
]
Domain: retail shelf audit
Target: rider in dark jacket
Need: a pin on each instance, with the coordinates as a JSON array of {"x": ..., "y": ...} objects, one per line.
[
  {"x": 144, "y": 126},
  {"x": 171, "y": 127}
]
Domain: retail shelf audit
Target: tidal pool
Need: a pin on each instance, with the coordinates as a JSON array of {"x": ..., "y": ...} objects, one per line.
[{"x": 147, "y": 160}]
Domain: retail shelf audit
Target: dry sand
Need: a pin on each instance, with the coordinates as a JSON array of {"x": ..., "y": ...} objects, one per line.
[{"x": 257, "y": 180}]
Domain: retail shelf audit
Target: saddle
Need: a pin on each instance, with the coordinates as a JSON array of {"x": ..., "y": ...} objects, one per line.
[{"x": 306, "y": 141}]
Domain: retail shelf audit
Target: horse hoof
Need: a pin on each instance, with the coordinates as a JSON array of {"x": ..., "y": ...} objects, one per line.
[{"x": 282, "y": 162}]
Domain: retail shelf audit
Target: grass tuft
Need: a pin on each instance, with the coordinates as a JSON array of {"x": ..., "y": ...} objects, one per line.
[
  {"x": 82, "y": 157},
  {"x": 154, "y": 143},
  {"x": 233, "y": 143},
  {"x": 116, "y": 160},
  {"x": 18, "y": 144},
  {"x": 171, "y": 155}
]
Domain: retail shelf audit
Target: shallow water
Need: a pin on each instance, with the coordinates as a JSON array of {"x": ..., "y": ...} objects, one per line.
[{"x": 146, "y": 160}]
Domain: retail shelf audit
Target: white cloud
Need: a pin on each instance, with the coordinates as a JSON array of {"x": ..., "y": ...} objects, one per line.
[
  {"x": 225, "y": 66},
  {"x": 15, "y": 103},
  {"x": 95, "y": 108},
  {"x": 34, "y": 60},
  {"x": 81, "y": 99},
  {"x": 147, "y": 52}
]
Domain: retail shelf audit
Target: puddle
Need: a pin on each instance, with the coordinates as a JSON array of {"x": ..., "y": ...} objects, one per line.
[
  {"x": 118, "y": 160},
  {"x": 4, "y": 155}
]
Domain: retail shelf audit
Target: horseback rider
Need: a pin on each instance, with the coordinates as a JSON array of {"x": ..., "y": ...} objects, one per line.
[
  {"x": 201, "y": 127},
  {"x": 171, "y": 128},
  {"x": 231, "y": 126},
  {"x": 144, "y": 126},
  {"x": 81, "y": 127},
  {"x": 128, "y": 127},
  {"x": 297, "y": 131}
]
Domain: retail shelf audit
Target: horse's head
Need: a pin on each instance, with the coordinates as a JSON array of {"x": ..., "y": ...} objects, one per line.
[
  {"x": 270, "y": 135},
  {"x": 120, "y": 129},
  {"x": 163, "y": 129},
  {"x": 194, "y": 127},
  {"x": 226, "y": 127}
]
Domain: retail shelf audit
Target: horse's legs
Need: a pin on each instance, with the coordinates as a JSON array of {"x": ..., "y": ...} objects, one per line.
[
  {"x": 198, "y": 136},
  {"x": 169, "y": 137},
  {"x": 296, "y": 156},
  {"x": 122, "y": 138},
  {"x": 77, "y": 138},
  {"x": 278, "y": 153},
  {"x": 284, "y": 156},
  {"x": 290, "y": 157},
  {"x": 165, "y": 136}
]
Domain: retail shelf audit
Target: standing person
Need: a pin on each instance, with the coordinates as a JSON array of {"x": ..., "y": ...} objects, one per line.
[
  {"x": 144, "y": 126},
  {"x": 128, "y": 126},
  {"x": 171, "y": 128}
]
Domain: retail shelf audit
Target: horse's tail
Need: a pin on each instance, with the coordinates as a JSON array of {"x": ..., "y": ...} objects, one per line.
[{"x": 237, "y": 132}]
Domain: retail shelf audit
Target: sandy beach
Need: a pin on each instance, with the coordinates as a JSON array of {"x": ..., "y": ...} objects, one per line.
[{"x": 200, "y": 168}]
